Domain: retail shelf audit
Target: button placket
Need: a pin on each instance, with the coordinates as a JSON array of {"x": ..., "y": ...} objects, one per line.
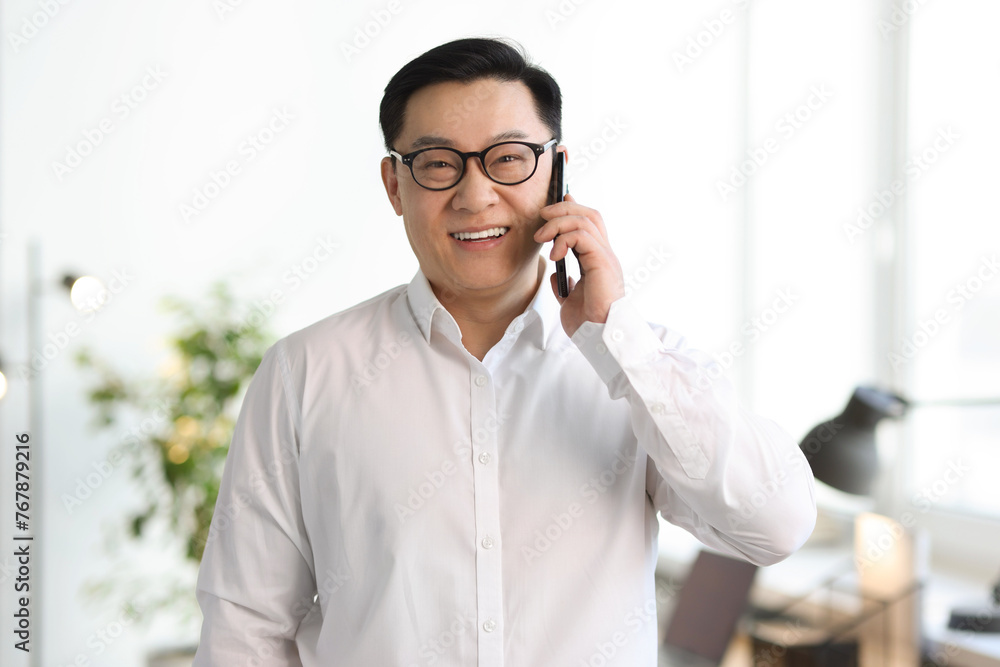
[{"x": 489, "y": 571}]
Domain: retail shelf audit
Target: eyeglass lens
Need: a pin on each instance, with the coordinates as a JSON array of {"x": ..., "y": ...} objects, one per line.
[{"x": 505, "y": 163}]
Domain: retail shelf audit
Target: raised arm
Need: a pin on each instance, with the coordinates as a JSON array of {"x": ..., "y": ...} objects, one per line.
[{"x": 733, "y": 479}]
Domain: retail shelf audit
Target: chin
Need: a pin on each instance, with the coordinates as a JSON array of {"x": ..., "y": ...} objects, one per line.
[{"x": 489, "y": 279}]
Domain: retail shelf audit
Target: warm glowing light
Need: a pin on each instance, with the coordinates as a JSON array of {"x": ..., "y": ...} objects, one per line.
[
  {"x": 178, "y": 454},
  {"x": 187, "y": 427},
  {"x": 171, "y": 367},
  {"x": 89, "y": 294}
]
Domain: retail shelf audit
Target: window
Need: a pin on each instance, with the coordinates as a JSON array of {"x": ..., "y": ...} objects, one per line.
[{"x": 951, "y": 344}]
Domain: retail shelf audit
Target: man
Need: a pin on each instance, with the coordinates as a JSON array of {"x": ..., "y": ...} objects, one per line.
[{"x": 466, "y": 470}]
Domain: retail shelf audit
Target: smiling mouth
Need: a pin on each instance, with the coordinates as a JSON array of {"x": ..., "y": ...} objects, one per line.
[{"x": 493, "y": 233}]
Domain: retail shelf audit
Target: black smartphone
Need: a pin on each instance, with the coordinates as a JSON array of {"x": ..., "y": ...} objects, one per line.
[{"x": 558, "y": 189}]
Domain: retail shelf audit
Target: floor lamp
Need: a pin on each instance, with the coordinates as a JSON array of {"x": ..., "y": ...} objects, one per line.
[{"x": 33, "y": 380}]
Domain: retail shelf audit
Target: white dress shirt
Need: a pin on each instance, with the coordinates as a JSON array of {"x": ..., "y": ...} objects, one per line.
[{"x": 449, "y": 511}]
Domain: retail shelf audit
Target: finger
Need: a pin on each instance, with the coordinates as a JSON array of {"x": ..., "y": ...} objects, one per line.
[
  {"x": 584, "y": 245},
  {"x": 590, "y": 255},
  {"x": 571, "y": 207},
  {"x": 555, "y": 288},
  {"x": 594, "y": 215},
  {"x": 568, "y": 205},
  {"x": 567, "y": 224}
]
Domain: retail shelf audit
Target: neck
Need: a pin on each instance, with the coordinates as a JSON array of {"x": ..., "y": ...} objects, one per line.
[{"x": 483, "y": 317}]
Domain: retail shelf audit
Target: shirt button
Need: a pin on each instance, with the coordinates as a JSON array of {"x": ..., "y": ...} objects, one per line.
[
  {"x": 518, "y": 326},
  {"x": 487, "y": 542},
  {"x": 480, "y": 380},
  {"x": 658, "y": 408},
  {"x": 617, "y": 335},
  {"x": 490, "y": 625},
  {"x": 601, "y": 348},
  {"x": 484, "y": 458}
]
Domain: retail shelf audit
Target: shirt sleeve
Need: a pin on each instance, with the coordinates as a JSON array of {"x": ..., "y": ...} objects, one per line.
[
  {"x": 257, "y": 581},
  {"x": 733, "y": 479}
]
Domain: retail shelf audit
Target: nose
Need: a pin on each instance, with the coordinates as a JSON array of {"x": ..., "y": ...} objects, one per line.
[{"x": 475, "y": 192}]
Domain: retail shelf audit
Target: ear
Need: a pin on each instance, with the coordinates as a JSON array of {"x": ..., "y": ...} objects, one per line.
[
  {"x": 562, "y": 149},
  {"x": 391, "y": 183}
]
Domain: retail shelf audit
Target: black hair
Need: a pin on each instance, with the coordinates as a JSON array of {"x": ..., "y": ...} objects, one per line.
[{"x": 468, "y": 60}]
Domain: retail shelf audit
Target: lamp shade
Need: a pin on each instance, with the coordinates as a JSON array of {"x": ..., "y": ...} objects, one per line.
[{"x": 841, "y": 451}]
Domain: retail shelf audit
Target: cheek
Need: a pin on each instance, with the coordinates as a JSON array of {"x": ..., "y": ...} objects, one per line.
[
  {"x": 530, "y": 207},
  {"x": 421, "y": 230},
  {"x": 529, "y": 201}
]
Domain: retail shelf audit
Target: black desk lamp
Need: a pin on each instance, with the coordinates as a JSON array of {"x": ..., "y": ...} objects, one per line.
[{"x": 842, "y": 453}]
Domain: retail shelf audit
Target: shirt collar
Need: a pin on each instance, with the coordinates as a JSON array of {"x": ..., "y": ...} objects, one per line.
[{"x": 428, "y": 312}]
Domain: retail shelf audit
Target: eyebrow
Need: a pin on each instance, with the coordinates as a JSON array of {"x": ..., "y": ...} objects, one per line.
[{"x": 434, "y": 140}]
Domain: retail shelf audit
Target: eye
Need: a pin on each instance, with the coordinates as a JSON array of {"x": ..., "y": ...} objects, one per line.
[{"x": 509, "y": 158}]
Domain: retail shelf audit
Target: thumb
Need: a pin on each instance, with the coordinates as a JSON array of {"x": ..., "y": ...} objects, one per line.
[{"x": 555, "y": 288}]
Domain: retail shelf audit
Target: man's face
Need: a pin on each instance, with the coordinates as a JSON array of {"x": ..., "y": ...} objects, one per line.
[{"x": 470, "y": 117}]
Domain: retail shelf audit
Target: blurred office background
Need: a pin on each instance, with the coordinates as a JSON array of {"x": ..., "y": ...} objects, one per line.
[{"x": 820, "y": 177}]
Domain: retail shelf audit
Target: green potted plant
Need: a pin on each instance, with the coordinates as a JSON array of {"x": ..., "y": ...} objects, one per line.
[{"x": 187, "y": 413}]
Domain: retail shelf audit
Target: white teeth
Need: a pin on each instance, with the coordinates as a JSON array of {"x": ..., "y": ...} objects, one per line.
[{"x": 485, "y": 234}]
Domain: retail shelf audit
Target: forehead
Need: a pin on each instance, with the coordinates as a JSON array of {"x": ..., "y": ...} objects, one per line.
[{"x": 469, "y": 115}]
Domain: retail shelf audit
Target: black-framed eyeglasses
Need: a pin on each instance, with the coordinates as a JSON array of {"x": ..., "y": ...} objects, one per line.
[{"x": 507, "y": 163}]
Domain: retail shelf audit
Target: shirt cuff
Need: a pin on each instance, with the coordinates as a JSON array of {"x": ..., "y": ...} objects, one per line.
[{"x": 625, "y": 340}]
